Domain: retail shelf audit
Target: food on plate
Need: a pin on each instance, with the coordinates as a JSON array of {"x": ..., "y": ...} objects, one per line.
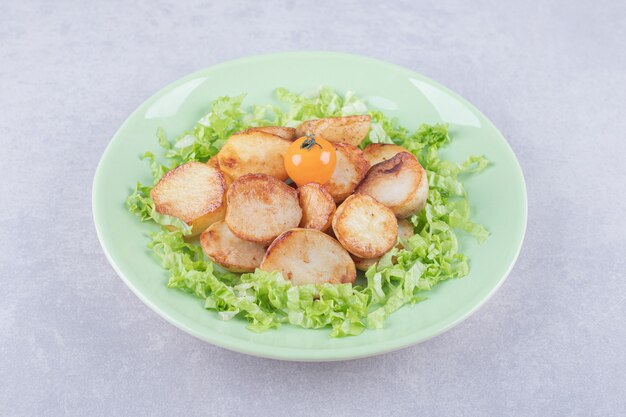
[
  {"x": 330, "y": 232},
  {"x": 348, "y": 129},
  {"x": 379, "y": 152},
  {"x": 405, "y": 231},
  {"x": 260, "y": 208},
  {"x": 400, "y": 183},
  {"x": 307, "y": 256},
  {"x": 276, "y": 248},
  {"x": 350, "y": 169},
  {"x": 229, "y": 251},
  {"x": 254, "y": 152},
  {"x": 317, "y": 206},
  {"x": 288, "y": 133},
  {"x": 194, "y": 193},
  {"x": 214, "y": 163},
  {"x": 310, "y": 159},
  {"x": 365, "y": 227},
  {"x": 363, "y": 264}
]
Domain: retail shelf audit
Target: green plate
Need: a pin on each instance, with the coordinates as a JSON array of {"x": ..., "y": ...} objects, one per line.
[{"x": 498, "y": 197}]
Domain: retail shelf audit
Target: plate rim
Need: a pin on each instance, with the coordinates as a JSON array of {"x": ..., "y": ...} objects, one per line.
[{"x": 306, "y": 354}]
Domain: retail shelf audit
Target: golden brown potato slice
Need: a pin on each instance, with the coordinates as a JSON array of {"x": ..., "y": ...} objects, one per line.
[
  {"x": 365, "y": 227},
  {"x": 348, "y": 129},
  {"x": 379, "y": 152},
  {"x": 230, "y": 252},
  {"x": 363, "y": 264},
  {"x": 253, "y": 152},
  {"x": 307, "y": 256},
  {"x": 405, "y": 231},
  {"x": 350, "y": 169},
  {"x": 400, "y": 183},
  {"x": 288, "y": 133},
  {"x": 317, "y": 205},
  {"x": 213, "y": 162},
  {"x": 193, "y": 192},
  {"x": 260, "y": 207},
  {"x": 330, "y": 232}
]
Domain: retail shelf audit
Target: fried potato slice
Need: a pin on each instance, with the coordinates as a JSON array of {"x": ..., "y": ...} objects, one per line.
[
  {"x": 379, "y": 152},
  {"x": 260, "y": 208},
  {"x": 307, "y": 256},
  {"x": 330, "y": 232},
  {"x": 230, "y": 252},
  {"x": 365, "y": 227},
  {"x": 350, "y": 169},
  {"x": 317, "y": 205},
  {"x": 254, "y": 152},
  {"x": 193, "y": 192},
  {"x": 288, "y": 133},
  {"x": 405, "y": 231},
  {"x": 213, "y": 162},
  {"x": 400, "y": 183},
  {"x": 348, "y": 129},
  {"x": 363, "y": 264}
]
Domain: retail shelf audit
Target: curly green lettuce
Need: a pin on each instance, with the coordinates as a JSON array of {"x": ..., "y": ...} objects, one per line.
[{"x": 266, "y": 300}]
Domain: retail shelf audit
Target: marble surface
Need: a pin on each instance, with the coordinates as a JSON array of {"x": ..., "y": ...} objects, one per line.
[{"x": 551, "y": 75}]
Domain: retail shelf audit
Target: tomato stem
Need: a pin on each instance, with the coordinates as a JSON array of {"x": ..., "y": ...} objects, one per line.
[{"x": 309, "y": 142}]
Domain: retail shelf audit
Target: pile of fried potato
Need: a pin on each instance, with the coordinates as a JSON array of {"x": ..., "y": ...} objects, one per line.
[{"x": 249, "y": 217}]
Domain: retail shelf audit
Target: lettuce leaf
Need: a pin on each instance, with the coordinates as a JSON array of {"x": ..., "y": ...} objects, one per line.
[{"x": 265, "y": 299}]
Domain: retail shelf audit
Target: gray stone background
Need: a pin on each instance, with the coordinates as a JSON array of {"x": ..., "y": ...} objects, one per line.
[{"x": 551, "y": 75}]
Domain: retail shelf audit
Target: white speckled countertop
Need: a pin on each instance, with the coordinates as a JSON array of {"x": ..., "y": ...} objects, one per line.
[{"x": 551, "y": 342}]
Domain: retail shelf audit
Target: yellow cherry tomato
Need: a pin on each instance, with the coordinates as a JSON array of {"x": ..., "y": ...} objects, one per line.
[{"x": 310, "y": 159}]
